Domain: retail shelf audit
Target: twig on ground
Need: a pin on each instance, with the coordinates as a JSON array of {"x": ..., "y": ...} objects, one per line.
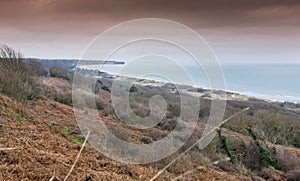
[
  {"x": 54, "y": 177},
  {"x": 51, "y": 179},
  {"x": 8, "y": 149},
  {"x": 197, "y": 142},
  {"x": 78, "y": 155},
  {"x": 187, "y": 172},
  {"x": 222, "y": 160}
]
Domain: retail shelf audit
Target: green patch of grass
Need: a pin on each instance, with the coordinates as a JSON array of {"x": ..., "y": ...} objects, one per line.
[
  {"x": 75, "y": 138},
  {"x": 140, "y": 114}
]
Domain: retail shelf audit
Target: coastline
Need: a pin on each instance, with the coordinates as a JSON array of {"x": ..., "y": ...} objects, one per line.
[
  {"x": 257, "y": 88},
  {"x": 205, "y": 92}
]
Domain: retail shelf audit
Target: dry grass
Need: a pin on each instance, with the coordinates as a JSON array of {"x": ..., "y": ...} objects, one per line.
[
  {"x": 45, "y": 149},
  {"x": 46, "y": 152}
]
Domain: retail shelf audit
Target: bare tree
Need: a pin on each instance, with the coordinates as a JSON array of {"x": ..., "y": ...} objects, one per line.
[{"x": 17, "y": 80}]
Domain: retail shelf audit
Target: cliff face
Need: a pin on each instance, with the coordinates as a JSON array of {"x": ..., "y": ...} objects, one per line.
[{"x": 69, "y": 64}]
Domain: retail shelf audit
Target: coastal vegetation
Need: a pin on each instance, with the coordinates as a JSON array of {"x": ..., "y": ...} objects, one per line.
[{"x": 37, "y": 117}]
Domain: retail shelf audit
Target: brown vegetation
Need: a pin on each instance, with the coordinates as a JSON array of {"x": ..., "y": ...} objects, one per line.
[
  {"x": 40, "y": 138},
  {"x": 16, "y": 78}
]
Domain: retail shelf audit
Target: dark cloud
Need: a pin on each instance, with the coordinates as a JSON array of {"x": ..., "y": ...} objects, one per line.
[
  {"x": 211, "y": 12},
  {"x": 222, "y": 22}
]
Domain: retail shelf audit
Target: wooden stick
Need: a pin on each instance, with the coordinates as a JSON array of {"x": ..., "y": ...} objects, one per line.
[
  {"x": 8, "y": 149},
  {"x": 78, "y": 155}
]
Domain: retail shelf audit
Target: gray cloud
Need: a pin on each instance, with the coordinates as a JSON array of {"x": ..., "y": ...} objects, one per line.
[
  {"x": 217, "y": 12},
  {"x": 233, "y": 23}
]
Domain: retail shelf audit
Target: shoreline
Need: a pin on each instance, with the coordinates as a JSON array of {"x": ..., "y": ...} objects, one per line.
[
  {"x": 207, "y": 92},
  {"x": 246, "y": 95}
]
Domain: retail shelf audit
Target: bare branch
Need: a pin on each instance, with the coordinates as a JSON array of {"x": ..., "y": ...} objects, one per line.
[
  {"x": 8, "y": 149},
  {"x": 77, "y": 157}
]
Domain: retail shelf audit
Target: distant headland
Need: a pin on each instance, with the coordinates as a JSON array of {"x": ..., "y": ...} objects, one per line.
[{"x": 70, "y": 64}]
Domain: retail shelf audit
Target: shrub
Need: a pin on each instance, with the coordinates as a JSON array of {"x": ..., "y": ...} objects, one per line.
[
  {"x": 108, "y": 110},
  {"x": 37, "y": 68},
  {"x": 225, "y": 147},
  {"x": 276, "y": 129},
  {"x": 266, "y": 157},
  {"x": 63, "y": 98},
  {"x": 98, "y": 85},
  {"x": 139, "y": 109},
  {"x": 100, "y": 104},
  {"x": 105, "y": 88},
  {"x": 268, "y": 126},
  {"x": 204, "y": 112},
  {"x": 174, "y": 109},
  {"x": 133, "y": 89},
  {"x": 167, "y": 124},
  {"x": 17, "y": 80},
  {"x": 59, "y": 72}
]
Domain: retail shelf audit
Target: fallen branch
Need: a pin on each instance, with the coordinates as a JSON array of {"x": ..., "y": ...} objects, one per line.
[
  {"x": 219, "y": 161},
  {"x": 197, "y": 142},
  {"x": 187, "y": 172},
  {"x": 8, "y": 149},
  {"x": 52, "y": 178},
  {"x": 77, "y": 157}
]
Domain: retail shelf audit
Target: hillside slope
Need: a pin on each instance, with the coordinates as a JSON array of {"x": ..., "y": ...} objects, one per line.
[
  {"x": 44, "y": 150},
  {"x": 45, "y": 138}
]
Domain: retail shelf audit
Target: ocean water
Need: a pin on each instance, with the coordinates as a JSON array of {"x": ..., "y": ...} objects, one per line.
[{"x": 274, "y": 81}]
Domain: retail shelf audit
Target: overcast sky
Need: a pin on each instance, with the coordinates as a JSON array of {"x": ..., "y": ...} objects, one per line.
[{"x": 237, "y": 30}]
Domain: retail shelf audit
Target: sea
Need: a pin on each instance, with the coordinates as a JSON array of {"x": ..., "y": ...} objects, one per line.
[{"x": 272, "y": 81}]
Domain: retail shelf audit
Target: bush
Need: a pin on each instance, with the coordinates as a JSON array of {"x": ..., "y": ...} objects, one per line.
[
  {"x": 273, "y": 127},
  {"x": 266, "y": 158},
  {"x": 59, "y": 72},
  {"x": 17, "y": 80},
  {"x": 204, "y": 112},
  {"x": 174, "y": 110},
  {"x": 63, "y": 98},
  {"x": 105, "y": 88},
  {"x": 100, "y": 105},
  {"x": 224, "y": 146},
  {"x": 133, "y": 89},
  {"x": 37, "y": 68},
  {"x": 276, "y": 129}
]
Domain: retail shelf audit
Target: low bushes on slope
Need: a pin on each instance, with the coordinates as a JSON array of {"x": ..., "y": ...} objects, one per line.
[{"x": 16, "y": 78}]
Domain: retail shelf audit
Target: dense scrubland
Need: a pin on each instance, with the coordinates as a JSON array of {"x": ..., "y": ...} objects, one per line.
[{"x": 37, "y": 120}]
